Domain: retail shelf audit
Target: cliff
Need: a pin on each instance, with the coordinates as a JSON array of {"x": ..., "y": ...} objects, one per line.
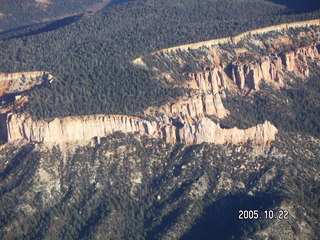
[
  {"x": 271, "y": 69},
  {"x": 209, "y": 86},
  {"x": 225, "y": 68},
  {"x": 83, "y": 129},
  {"x": 206, "y": 99},
  {"x": 180, "y": 122},
  {"x": 74, "y": 129},
  {"x": 208, "y": 131}
]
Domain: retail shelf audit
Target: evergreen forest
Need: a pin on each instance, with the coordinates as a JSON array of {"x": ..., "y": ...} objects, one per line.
[{"x": 91, "y": 54}]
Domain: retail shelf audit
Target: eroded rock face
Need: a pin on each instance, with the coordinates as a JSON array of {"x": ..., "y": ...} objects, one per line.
[
  {"x": 13, "y": 85},
  {"x": 208, "y": 131},
  {"x": 186, "y": 120},
  {"x": 271, "y": 69},
  {"x": 74, "y": 129},
  {"x": 250, "y": 75},
  {"x": 211, "y": 85},
  {"x": 206, "y": 99},
  {"x": 239, "y": 63},
  {"x": 83, "y": 129},
  {"x": 261, "y": 55},
  {"x": 21, "y": 81}
]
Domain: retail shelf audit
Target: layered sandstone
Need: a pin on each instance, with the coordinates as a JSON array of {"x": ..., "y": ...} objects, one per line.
[
  {"x": 269, "y": 69},
  {"x": 208, "y": 86}
]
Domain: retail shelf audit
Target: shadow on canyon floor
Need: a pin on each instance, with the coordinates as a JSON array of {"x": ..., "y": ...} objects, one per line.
[
  {"x": 51, "y": 26},
  {"x": 115, "y": 2},
  {"x": 297, "y": 6},
  {"x": 221, "y": 219}
]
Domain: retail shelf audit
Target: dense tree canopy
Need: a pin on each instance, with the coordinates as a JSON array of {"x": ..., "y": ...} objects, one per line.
[{"x": 91, "y": 54}]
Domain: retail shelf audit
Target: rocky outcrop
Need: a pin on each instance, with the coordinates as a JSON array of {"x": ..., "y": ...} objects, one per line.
[
  {"x": 82, "y": 129},
  {"x": 209, "y": 85},
  {"x": 251, "y": 75},
  {"x": 74, "y": 129},
  {"x": 190, "y": 110},
  {"x": 253, "y": 57},
  {"x": 207, "y": 131},
  {"x": 271, "y": 69},
  {"x": 297, "y": 60},
  {"x": 206, "y": 98},
  {"x": 21, "y": 81},
  {"x": 186, "y": 120}
]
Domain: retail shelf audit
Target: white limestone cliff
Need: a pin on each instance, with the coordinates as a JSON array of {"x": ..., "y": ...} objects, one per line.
[{"x": 82, "y": 129}]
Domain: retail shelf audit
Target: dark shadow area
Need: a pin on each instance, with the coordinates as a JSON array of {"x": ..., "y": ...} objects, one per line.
[
  {"x": 225, "y": 126},
  {"x": 298, "y": 6},
  {"x": 178, "y": 125},
  {"x": 7, "y": 99},
  {"x": 166, "y": 221},
  {"x": 221, "y": 219},
  {"x": 3, "y": 128},
  {"x": 47, "y": 28},
  {"x": 115, "y": 2},
  {"x": 18, "y": 28},
  {"x": 51, "y": 25},
  {"x": 17, "y": 159}
]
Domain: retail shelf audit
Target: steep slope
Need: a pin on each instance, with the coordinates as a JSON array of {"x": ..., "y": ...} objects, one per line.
[
  {"x": 138, "y": 188},
  {"x": 225, "y": 69},
  {"x": 91, "y": 54},
  {"x": 243, "y": 135},
  {"x": 249, "y": 58},
  {"x": 82, "y": 130}
]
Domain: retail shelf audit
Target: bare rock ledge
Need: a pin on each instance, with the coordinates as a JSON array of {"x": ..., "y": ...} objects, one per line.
[{"x": 82, "y": 129}]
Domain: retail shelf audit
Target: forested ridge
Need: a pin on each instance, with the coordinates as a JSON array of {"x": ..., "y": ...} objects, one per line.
[
  {"x": 91, "y": 194},
  {"x": 91, "y": 54},
  {"x": 19, "y": 13},
  {"x": 133, "y": 187}
]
